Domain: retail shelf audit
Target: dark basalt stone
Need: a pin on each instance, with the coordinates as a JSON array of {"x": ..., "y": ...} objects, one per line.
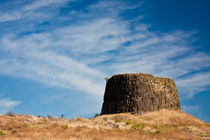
[{"x": 138, "y": 93}]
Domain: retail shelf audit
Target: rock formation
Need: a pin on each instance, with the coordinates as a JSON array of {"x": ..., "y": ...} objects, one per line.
[{"x": 138, "y": 93}]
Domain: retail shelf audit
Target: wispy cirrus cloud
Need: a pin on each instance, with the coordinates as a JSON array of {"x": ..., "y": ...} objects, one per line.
[
  {"x": 194, "y": 84},
  {"x": 43, "y": 3},
  {"x": 30, "y": 10},
  {"x": 79, "y": 54},
  {"x": 25, "y": 59}
]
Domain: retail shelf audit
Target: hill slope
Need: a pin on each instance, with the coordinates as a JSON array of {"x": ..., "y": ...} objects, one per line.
[{"x": 163, "y": 124}]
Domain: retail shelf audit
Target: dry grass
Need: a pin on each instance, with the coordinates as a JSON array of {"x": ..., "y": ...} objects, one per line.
[{"x": 163, "y": 124}]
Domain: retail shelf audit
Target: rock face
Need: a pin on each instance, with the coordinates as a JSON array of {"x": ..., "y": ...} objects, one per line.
[{"x": 138, "y": 93}]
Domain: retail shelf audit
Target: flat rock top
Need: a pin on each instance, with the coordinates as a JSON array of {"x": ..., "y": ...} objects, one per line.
[{"x": 130, "y": 75}]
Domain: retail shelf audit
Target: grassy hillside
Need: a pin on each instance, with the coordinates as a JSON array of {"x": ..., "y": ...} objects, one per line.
[{"x": 163, "y": 124}]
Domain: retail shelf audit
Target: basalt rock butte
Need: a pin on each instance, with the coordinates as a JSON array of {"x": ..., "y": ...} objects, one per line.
[{"x": 138, "y": 93}]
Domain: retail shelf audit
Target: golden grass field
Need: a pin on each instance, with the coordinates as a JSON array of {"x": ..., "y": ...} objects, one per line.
[{"x": 163, "y": 124}]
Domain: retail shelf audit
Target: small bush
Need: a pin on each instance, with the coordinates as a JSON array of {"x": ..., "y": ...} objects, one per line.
[
  {"x": 2, "y": 133},
  {"x": 127, "y": 122},
  {"x": 155, "y": 126},
  {"x": 117, "y": 121},
  {"x": 10, "y": 113},
  {"x": 138, "y": 126},
  {"x": 49, "y": 117},
  {"x": 96, "y": 115},
  {"x": 13, "y": 131},
  {"x": 62, "y": 115},
  {"x": 149, "y": 132},
  {"x": 157, "y": 132},
  {"x": 64, "y": 126},
  {"x": 201, "y": 135}
]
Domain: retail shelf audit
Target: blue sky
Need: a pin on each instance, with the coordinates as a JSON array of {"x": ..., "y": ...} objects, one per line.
[{"x": 54, "y": 54}]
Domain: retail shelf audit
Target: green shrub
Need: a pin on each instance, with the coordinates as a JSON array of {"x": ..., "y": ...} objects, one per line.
[
  {"x": 155, "y": 126},
  {"x": 201, "y": 135},
  {"x": 127, "y": 122},
  {"x": 2, "y": 133},
  {"x": 96, "y": 115},
  {"x": 157, "y": 132},
  {"x": 138, "y": 126},
  {"x": 117, "y": 121}
]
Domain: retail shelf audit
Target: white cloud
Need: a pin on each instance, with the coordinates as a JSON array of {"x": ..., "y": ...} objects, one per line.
[
  {"x": 48, "y": 67},
  {"x": 80, "y": 54},
  {"x": 7, "y": 104},
  {"x": 42, "y": 3},
  {"x": 194, "y": 84},
  {"x": 113, "y": 7},
  {"x": 10, "y": 16},
  {"x": 30, "y": 11},
  {"x": 93, "y": 37}
]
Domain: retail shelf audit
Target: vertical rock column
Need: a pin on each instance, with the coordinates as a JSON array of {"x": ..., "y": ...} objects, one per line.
[{"x": 138, "y": 93}]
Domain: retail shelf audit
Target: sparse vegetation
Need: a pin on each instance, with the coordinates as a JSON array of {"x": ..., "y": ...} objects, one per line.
[
  {"x": 201, "y": 135},
  {"x": 127, "y": 122},
  {"x": 97, "y": 114},
  {"x": 2, "y": 133},
  {"x": 13, "y": 131},
  {"x": 157, "y": 132},
  {"x": 155, "y": 126},
  {"x": 138, "y": 126},
  {"x": 62, "y": 115},
  {"x": 10, "y": 113},
  {"x": 117, "y": 121},
  {"x": 163, "y": 124},
  {"x": 49, "y": 117}
]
